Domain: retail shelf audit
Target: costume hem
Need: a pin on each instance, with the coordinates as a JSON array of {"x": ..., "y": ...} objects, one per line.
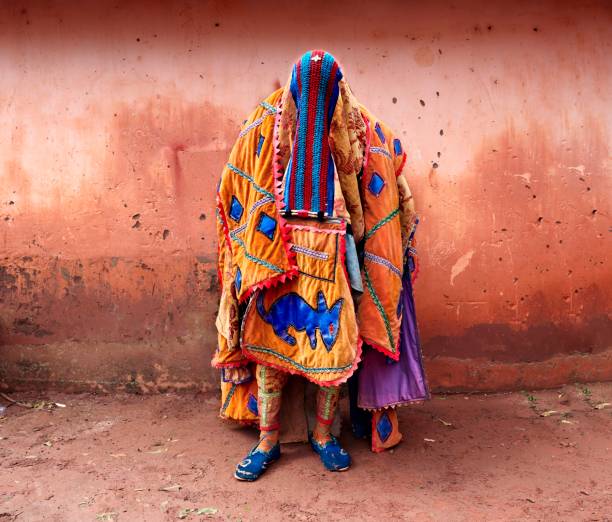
[
  {"x": 384, "y": 350},
  {"x": 336, "y": 382},
  {"x": 243, "y": 422},
  {"x": 393, "y": 405},
  {"x": 231, "y": 364}
]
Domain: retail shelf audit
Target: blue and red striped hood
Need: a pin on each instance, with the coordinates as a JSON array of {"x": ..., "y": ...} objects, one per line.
[{"x": 309, "y": 181}]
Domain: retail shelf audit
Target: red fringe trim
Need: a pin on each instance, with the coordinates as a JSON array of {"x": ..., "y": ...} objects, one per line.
[
  {"x": 382, "y": 349},
  {"x": 268, "y": 283},
  {"x": 401, "y": 167},
  {"x": 233, "y": 364},
  {"x": 226, "y": 234}
]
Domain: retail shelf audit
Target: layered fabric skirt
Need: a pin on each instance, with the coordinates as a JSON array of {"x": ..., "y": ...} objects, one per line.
[{"x": 384, "y": 383}]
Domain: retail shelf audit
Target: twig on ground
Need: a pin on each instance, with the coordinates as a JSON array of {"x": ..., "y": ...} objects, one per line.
[{"x": 13, "y": 401}]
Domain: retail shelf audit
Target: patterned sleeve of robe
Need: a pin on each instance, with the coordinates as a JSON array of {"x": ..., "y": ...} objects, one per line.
[{"x": 228, "y": 353}]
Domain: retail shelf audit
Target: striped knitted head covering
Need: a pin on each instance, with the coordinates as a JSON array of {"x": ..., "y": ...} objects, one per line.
[{"x": 309, "y": 181}]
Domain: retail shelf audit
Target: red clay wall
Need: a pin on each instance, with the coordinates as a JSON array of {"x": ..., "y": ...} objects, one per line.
[{"x": 118, "y": 116}]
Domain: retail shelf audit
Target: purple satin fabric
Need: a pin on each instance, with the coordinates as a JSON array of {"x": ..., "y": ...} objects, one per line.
[{"x": 383, "y": 382}]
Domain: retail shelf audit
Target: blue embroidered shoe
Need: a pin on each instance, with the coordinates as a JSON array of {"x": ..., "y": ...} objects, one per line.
[
  {"x": 332, "y": 455},
  {"x": 256, "y": 462}
]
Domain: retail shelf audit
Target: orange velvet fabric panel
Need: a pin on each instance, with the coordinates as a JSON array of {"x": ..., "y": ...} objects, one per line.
[
  {"x": 378, "y": 318},
  {"x": 307, "y": 325}
]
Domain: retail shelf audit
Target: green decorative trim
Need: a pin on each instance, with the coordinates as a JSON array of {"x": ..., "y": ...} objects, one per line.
[
  {"x": 380, "y": 308},
  {"x": 330, "y": 396},
  {"x": 271, "y": 108},
  {"x": 244, "y": 175},
  {"x": 251, "y": 257},
  {"x": 368, "y": 281},
  {"x": 381, "y": 223},
  {"x": 228, "y": 398},
  {"x": 270, "y": 395},
  {"x": 263, "y": 349},
  {"x": 263, "y": 414}
]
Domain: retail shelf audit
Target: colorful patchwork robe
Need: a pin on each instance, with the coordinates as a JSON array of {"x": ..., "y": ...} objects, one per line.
[{"x": 312, "y": 180}]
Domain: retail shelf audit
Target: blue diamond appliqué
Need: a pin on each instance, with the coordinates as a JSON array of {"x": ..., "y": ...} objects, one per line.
[
  {"x": 379, "y": 132},
  {"x": 384, "y": 427},
  {"x": 238, "y": 279},
  {"x": 236, "y": 209},
  {"x": 260, "y": 144},
  {"x": 376, "y": 184},
  {"x": 267, "y": 226},
  {"x": 252, "y": 404},
  {"x": 397, "y": 146}
]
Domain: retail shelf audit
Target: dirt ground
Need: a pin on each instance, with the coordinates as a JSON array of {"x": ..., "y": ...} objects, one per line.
[{"x": 541, "y": 455}]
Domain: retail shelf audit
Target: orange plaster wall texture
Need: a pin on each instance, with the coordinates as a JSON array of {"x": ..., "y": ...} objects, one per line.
[{"x": 117, "y": 118}]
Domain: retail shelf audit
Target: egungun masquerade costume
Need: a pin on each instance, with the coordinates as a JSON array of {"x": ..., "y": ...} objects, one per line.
[{"x": 316, "y": 224}]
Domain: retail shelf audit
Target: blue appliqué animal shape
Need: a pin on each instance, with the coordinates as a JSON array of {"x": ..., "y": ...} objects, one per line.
[{"x": 293, "y": 310}]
